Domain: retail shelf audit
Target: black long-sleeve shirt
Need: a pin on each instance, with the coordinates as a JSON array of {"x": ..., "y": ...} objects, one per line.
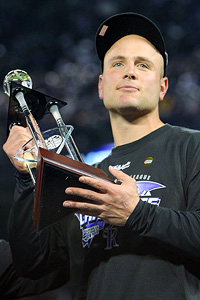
[{"x": 156, "y": 255}]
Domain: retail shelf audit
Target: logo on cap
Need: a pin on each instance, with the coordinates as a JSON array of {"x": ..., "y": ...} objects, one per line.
[{"x": 103, "y": 30}]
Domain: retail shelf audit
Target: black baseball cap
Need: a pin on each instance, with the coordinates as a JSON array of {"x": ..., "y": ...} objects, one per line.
[{"x": 120, "y": 25}]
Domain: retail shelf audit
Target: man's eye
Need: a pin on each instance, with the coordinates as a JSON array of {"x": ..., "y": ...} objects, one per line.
[
  {"x": 143, "y": 66},
  {"x": 117, "y": 64}
]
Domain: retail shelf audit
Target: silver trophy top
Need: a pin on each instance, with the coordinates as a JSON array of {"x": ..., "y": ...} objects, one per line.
[{"x": 18, "y": 76}]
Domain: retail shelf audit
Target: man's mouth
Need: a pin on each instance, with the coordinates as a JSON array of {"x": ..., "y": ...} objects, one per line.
[{"x": 128, "y": 88}]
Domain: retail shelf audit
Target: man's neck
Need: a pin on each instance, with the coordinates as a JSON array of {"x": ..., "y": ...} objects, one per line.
[{"x": 126, "y": 131}]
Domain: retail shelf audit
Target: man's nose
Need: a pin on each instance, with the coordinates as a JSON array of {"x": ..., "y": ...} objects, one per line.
[
  {"x": 129, "y": 76},
  {"x": 130, "y": 72}
]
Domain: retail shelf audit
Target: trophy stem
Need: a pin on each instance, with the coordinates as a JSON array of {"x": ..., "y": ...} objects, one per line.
[
  {"x": 31, "y": 122},
  {"x": 69, "y": 142}
]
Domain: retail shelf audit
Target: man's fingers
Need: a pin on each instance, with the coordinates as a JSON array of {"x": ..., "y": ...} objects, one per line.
[
  {"x": 84, "y": 206},
  {"x": 98, "y": 184},
  {"x": 121, "y": 176},
  {"x": 84, "y": 193},
  {"x": 18, "y": 136}
]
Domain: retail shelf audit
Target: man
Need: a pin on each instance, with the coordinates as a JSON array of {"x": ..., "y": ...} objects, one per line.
[
  {"x": 13, "y": 286},
  {"x": 137, "y": 239}
]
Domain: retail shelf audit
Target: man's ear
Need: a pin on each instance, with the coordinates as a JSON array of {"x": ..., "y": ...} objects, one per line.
[
  {"x": 100, "y": 87},
  {"x": 163, "y": 88}
]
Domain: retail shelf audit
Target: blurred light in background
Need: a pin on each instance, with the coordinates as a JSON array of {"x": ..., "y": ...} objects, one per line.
[{"x": 97, "y": 155}]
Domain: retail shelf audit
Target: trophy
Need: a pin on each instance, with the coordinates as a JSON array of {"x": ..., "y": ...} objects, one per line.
[{"x": 50, "y": 170}]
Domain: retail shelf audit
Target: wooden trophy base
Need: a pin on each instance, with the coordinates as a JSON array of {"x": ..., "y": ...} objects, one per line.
[{"x": 54, "y": 173}]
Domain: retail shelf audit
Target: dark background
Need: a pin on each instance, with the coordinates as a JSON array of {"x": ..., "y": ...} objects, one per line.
[{"x": 53, "y": 40}]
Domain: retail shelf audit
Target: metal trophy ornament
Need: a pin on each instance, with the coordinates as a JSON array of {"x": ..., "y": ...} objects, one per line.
[
  {"x": 18, "y": 76},
  {"x": 53, "y": 171},
  {"x": 27, "y": 107},
  {"x": 20, "y": 79}
]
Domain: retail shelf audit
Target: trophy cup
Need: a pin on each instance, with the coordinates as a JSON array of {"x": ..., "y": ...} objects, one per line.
[{"x": 50, "y": 171}]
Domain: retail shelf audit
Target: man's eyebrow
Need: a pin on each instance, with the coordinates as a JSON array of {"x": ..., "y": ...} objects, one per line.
[
  {"x": 142, "y": 58},
  {"x": 117, "y": 57},
  {"x": 137, "y": 58}
]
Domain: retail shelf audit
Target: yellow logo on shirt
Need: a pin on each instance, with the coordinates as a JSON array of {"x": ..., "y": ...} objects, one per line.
[{"x": 148, "y": 161}]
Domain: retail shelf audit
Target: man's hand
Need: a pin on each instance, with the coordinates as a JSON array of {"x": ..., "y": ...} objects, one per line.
[
  {"x": 112, "y": 203},
  {"x": 18, "y": 136}
]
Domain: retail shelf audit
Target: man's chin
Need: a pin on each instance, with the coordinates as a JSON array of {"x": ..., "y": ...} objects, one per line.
[{"x": 133, "y": 112}]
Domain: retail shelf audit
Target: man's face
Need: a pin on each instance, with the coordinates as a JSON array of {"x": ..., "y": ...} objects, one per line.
[{"x": 132, "y": 82}]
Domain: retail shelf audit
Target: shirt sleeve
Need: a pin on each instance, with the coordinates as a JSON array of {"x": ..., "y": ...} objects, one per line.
[
  {"x": 35, "y": 254},
  {"x": 178, "y": 231},
  {"x": 14, "y": 286}
]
